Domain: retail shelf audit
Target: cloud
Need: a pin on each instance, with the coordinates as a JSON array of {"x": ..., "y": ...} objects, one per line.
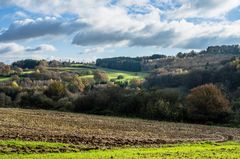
[
  {"x": 30, "y": 28},
  {"x": 14, "y": 48},
  {"x": 41, "y": 48},
  {"x": 10, "y": 48},
  {"x": 99, "y": 37},
  {"x": 203, "y": 9},
  {"x": 124, "y": 23},
  {"x": 60, "y": 6}
]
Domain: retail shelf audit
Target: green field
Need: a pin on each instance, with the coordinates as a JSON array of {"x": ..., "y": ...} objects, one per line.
[
  {"x": 2, "y": 79},
  {"x": 195, "y": 150},
  {"x": 112, "y": 74}
]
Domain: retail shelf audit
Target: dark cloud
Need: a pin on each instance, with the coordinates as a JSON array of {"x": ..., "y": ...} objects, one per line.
[
  {"x": 43, "y": 47},
  {"x": 162, "y": 38},
  {"x": 36, "y": 28},
  {"x": 85, "y": 38}
]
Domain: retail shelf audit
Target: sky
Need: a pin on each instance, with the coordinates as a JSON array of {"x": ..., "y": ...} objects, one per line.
[{"x": 84, "y": 30}]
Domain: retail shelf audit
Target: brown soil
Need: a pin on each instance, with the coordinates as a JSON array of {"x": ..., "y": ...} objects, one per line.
[{"x": 99, "y": 131}]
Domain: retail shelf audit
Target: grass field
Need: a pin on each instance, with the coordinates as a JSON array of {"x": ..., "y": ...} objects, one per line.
[
  {"x": 2, "y": 79},
  {"x": 42, "y": 150},
  {"x": 112, "y": 74}
]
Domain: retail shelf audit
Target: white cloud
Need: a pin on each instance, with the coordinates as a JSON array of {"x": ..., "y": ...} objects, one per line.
[
  {"x": 102, "y": 24},
  {"x": 42, "y": 48},
  {"x": 14, "y": 48},
  {"x": 203, "y": 9},
  {"x": 10, "y": 48}
]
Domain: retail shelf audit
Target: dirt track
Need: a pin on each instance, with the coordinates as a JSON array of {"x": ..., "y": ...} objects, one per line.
[{"x": 101, "y": 131}]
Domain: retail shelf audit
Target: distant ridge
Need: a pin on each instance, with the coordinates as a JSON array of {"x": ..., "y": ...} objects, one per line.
[{"x": 224, "y": 49}]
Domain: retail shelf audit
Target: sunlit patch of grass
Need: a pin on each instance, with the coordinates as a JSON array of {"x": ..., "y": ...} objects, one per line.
[
  {"x": 197, "y": 150},
  {"x": 30, "y": 147},
  {"x": 3, "y": 79}
]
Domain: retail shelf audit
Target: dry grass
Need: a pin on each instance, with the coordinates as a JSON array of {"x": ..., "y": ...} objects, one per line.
[{"x": 99, "y": 131}]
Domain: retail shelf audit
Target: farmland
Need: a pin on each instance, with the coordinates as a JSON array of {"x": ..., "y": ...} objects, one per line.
[
  {"x": 50, "y": 134},
  {"x": 112, "y": 74},
  {"x": 99, "y": 131}
]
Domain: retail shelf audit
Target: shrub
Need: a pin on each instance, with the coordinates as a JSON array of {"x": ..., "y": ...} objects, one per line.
[
  {"x": 120, "y": 77},
  {"x": 207, "y": 103}
]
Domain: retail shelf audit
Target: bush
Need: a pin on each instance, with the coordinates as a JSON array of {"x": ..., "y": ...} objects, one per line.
[
  {"x": 120, "y": 77},
  {"x": 206, "y": 103}
]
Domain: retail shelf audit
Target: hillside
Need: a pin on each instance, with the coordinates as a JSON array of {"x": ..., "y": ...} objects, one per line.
[
  {"x": 197, "y": 62},
  {"x": 213, "y": 56},
  {"x": 99, "y": 131}
]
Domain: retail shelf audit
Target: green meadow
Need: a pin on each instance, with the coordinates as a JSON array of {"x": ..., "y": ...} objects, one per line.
[
  {"x": 112, "y": 74},
  {"x": 194, "y": 150},
  {"x": 2, "y": 79}
]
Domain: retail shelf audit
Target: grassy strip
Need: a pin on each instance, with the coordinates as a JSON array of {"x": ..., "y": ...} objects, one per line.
[
  {"x": 3, "y": 79},
  {"x": 199, "y": 150},
  {"x": 28, "y": 147}
]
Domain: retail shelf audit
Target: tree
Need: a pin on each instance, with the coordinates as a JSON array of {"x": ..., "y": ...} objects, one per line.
[
  {"x": 100, "y": 77},
  {"x": 135, "y": 83},
  {"x": 43, "y": 63},
  {"x": 56, "y": 90},
  {"x": 5, "y": 100},
  {"x": 15, "y": 77},
  {"x": 28, "y": 63},
  {"x": 5, "y": 70},
  {"x": 76, "y": 85},
  {"x": 14, "y": 84},
  {"x": 207, "y": 103},
  {"x": 18, "y": 70},
  {"x": 55, "y": 63}
]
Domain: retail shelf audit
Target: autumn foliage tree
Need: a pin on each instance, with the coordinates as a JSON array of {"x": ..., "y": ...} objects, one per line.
[
  {"x": 206, "y": 103},
  {"x": 56, "y": 90},
  {"x": 100, "y": 77}
]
